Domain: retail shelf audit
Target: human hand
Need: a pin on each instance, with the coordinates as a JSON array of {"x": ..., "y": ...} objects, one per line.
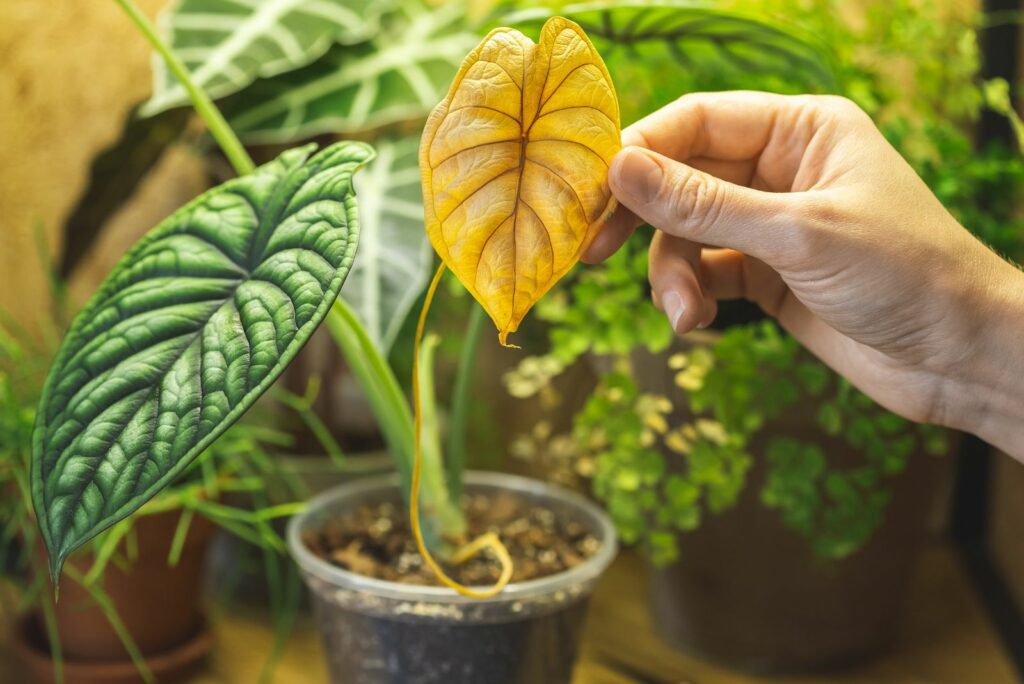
[{"x": 799, "y": 204}]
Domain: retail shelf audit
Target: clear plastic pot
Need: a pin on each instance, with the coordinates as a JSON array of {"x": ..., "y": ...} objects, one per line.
[{"x": 379, "y": 632}]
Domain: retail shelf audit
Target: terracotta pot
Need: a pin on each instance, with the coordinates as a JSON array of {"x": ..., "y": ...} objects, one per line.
[
  {"x": 159, "y": 605},
  {"x": 749, "y": 592},
  {"x": 171, "y": 666}
]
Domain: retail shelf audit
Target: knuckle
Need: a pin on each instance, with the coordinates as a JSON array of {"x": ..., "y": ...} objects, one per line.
[
  {"x": 695, "y": 202},
  {"x": 810, "y": 223},
  {"x": 816, "y": 213},
  {"x": 842, "y": 108}
]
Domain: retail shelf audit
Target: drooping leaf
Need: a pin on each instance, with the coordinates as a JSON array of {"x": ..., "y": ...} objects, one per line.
[
  {"x": 195, "y": 322},
  {"x": 696, "y": 35},
  {"x": 394, "y": 262},
  {"x": 397, "y": 77},
  {"x": 515, "y": 165},
  {"x": 227, "y": 44}
]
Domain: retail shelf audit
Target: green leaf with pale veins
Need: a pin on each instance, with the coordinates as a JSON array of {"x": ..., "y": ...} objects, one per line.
[
  {"x": 399, "y": 76},
  {"x": 190, "y": 328},
  {"x": 395, "y": 259},
  {"x": 228, "y": 44},
  {"x": 695, "y": 35}
]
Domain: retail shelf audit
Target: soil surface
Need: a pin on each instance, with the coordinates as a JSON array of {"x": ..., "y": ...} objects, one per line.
[{"x": 375, "y": 540}]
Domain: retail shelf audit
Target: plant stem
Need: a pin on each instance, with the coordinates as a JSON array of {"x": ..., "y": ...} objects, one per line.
[
  {"x": 378, "y": 382},
  {"x": 443, "y": 518},
  {"x": 456, "y": 460},
  {"x": 215, "y": 122},
  {"x": 442, "y": 513}
]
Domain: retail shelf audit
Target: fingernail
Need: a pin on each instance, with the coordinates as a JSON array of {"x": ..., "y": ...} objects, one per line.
[
  {"x": 674, "y": 307},
  {"x": 637, "y": 175}
]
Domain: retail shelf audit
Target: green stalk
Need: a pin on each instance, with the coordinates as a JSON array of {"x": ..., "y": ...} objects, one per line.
[
  {"x": 49, "y": 621},
  {"x": 378, "y": 382},
  {"x": 215, "y": 122},
  {"x": 180, "y": 534},
  {"x": 390, "y": 407},
  {"x": 456, "y": 460},
  {"x": 442, "y": 515},
  {"x": 106, "y": 606}
]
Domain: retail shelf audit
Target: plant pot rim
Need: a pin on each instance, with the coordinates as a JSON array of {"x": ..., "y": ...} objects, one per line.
[{"x": 585, "y": 572}]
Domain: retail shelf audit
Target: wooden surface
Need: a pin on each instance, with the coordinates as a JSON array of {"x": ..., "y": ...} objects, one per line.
[{"x": 945, "y": 639}]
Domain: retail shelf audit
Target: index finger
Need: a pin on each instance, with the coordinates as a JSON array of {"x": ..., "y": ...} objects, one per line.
[
  {"x": 730, "y": 126},
  {"x": 723, "y": 133}
]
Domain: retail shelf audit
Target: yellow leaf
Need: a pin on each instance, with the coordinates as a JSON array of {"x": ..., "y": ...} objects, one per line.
[{"x": 515, "y": 165}]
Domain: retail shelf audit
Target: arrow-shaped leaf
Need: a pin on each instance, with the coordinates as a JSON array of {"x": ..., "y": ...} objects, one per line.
[
  {"x": 190, "y": 328},
  {"x": 227, "y": 44},
  {"x": 515, "y": 165}
]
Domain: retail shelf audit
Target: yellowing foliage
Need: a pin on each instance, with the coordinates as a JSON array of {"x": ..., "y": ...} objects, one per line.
[{"x": 515, "y": 165}]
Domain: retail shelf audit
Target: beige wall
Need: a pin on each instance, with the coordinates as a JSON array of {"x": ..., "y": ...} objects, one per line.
[{"x": 69, "y": 72}]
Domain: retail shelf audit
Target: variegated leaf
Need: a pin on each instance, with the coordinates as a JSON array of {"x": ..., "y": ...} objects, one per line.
[
  {"x": 695, "y": 35},
  {"x": 227, "y": 44},
  {"x": 398, "y": 76}
]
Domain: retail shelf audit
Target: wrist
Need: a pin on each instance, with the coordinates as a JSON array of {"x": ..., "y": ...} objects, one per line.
[{"x": 985, "y": 391}]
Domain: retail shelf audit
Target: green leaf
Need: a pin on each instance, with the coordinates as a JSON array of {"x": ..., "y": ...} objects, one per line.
[
  {"x": 395, "y": 258},
  {"x": 228, "y": 44},
  {"x": 830, "y": 419},
  {"x": 398, "y": 76},
  {"x": 191, "y": 327},
  {"x": 694, "y": 35}
]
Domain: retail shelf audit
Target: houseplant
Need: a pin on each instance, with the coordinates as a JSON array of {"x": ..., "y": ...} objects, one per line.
[
  {"x": 259, "y": 193},
  {"x": 774, "y": 521},
  {"x": 197, "y": 321}
]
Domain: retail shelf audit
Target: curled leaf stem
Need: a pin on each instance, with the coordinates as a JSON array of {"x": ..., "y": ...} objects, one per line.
[{"x": 473, "y": 548}]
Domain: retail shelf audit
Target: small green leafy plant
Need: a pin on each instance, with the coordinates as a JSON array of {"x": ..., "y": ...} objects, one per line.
[{"x": 661, "y": 461}]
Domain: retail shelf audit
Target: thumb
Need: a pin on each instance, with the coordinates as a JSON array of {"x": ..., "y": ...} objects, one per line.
[{"x": 697, "y": 206}]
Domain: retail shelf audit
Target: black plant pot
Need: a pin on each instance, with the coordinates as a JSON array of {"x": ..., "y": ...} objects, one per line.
[{"x": 378, "y": 632}]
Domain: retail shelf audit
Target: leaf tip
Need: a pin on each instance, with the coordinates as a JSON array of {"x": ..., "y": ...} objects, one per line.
[
  {"x": 56, "y": 566},
  {"x": 503, "y": 340}
]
